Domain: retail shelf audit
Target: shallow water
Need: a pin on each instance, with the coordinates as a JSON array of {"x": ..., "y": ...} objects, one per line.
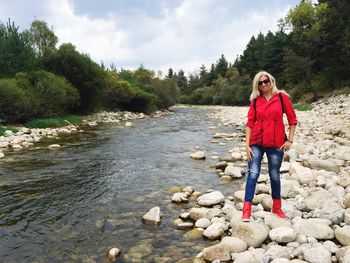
[{"x": 73, "y": 204}]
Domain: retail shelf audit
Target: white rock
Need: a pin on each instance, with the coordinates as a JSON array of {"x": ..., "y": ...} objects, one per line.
[
  {"x": 313, "y": 228},
  {"x": 333, "y": 211},
  {"x": 214, "y": 231},
  {"x": 245, "y": 257},
  {"x": 343, "y": 235},
  {"x": 199, "y": 155},
  {"x": 188, "y": 189},
  {"x": 301, "y": 173},
  {"x": 330, "y": 246},
  {"x": 283, "y": 234},
  {"x": 253, "y": 233},
  {"x": 211, "y": 198},
  {"x": 179, "y": 197},
  {"x": 327, "y": 165},
  {"x": 216, "y": 252},
  {"x": 200, "y": 212},
  {"x": 234, "y": 244},
  {"x": 233, "y": 172},
  {"x": 317, "y": 255},
  {"x": 128, "y": 124},
  {"x": 54, "y": 146},
  {"x": 202, "y": 223},
  {"x": 152, "y": 216},
  {"x": 317, "y": 199},
  {"x": 113, "y": 254},
  {"x": 277, "y": 251}
]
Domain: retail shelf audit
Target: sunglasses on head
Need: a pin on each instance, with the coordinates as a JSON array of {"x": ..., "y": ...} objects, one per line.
[{"x": 265, "y": 81}]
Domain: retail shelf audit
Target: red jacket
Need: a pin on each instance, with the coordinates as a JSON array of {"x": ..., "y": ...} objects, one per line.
[{"x": 268, "y": 128}]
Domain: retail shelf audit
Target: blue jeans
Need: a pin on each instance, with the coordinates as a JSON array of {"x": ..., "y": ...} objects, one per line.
[{"x": 274, "y": 157}]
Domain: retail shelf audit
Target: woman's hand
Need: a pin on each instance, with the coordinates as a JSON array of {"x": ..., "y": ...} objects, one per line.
[
  {"x": 249, "y": 153},
  {"x": 286, "y": 146}
]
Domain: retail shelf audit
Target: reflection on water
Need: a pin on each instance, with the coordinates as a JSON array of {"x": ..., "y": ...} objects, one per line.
[{"x": 73, "y": 204}]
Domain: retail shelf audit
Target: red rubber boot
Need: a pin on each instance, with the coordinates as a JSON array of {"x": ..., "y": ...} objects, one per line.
[
  {"x": 276, "y": 208},
  {"x": 247, "y": 209}
]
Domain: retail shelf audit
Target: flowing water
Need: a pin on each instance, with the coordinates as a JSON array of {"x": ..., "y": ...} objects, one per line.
[{"x": 73, "y": 204}]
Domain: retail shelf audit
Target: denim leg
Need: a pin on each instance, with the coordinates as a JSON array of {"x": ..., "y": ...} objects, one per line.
[
  {"x": 253, "y": 172},
  {"x": 275, "y": 157}
]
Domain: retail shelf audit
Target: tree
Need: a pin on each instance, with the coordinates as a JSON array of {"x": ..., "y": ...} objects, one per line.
[
  {"x": 170, "y": 73},
  {"x": 143, "y": 76},
  {"x": 181, "y": 81},
  {"x": 167, "y": 91},
  {"x": 54, "y": 95},
  {"x": 82, "y": 72},
  {"x": 203, "y": 74},
  {"x": 15, "y": 53},
  {"x": 41, "y": 38},
  {"x": 304, "y": 21},
  {"x": 335, "y": 42},
  {"x": 221, "y": 67}
]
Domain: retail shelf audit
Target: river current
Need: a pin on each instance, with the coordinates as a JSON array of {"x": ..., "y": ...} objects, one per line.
[{"x": 73, "y": 204}]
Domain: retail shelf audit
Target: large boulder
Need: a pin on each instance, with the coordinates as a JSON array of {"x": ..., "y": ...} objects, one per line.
[
  {"x": 283, "y": 234},
  {"x": 253, "y": 233},
  {"x": 215, "y": 231},
  {"x": 234, "y": 244},
  {"x": 317, "y": 254},
  {"x": 326, "y": 165},
  {"x": 199, "y": 155},
  {"x": 301, "y": 173},
  {"x": 317, "y": 199},
  {"x": 233, "y": 172},
  {"x": 216, "y": 252},
  {"x": 343, "y": 235},
  {"x": 210, "y": 199},
  {"x": 200, "y": 212},
  {"x": 314, "y": 228},
  {"x": 152, "y": 216}
]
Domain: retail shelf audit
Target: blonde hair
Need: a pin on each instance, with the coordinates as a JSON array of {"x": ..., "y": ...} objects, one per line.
[{"x": 256, "y": 92}]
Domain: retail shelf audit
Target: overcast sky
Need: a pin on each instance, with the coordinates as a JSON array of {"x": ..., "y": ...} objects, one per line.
[{"x": 156, "y": 33}]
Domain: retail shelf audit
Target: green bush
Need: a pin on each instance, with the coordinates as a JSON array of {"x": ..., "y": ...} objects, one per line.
[
  {"x": 303, "y": 106},
  {"x": 54, "y": 122},
  {"x": 167, "y": 91},
  {"x": 16, "y": 104},
  {"x": 54, "y": 94},
  {"x": 121, "y": 95},
  {"x": 5, "y": 128},
  {"x": 80, "y": 70},
  {"x": 118, "y": 93}
]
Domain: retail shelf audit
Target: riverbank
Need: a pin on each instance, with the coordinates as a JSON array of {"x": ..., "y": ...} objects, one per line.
[
  {"x": 27, "y": 137},
  {"x": 315, "y": 178}
]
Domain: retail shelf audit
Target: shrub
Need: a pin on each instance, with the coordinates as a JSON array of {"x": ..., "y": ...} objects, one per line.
[
  {"x": 16, "y": 104},
  {"x": 54, "y": 122},
  {"x": 167, "y": 91},
  {"x": 54, "y": 94},
  {"x": 303, "y": 106},
  {"x": 5, "y": 128}
]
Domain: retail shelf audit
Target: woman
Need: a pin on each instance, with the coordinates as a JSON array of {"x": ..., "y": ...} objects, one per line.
[{"x": 265, "y": 133}]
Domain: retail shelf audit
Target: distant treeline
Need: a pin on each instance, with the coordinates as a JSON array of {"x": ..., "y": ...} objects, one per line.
[
  {"x": 38, "y": 80},
  {"x": 309, "y": 56}
]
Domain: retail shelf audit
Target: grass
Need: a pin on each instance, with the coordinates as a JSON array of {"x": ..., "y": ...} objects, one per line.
[
  {"x": 5, "y": 128},
  {"x": 303, "y": 106},
  {"x": 54, "y": 122}
]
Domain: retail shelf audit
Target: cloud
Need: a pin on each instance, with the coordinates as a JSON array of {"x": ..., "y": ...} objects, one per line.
[
  {"x": 100, "y": 38},
  {"x": 157, "y": 33}
]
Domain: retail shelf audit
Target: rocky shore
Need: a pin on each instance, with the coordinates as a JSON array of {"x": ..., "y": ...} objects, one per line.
[
  {"x": 26, "y": 137},
  {"x": 315, "y": 178}
]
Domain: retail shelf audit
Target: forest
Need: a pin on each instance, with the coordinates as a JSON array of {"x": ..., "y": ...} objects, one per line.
[{"x": 309, "y": 56}]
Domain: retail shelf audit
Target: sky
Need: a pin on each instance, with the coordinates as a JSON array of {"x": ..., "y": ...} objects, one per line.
[{"x": 159, "y": 34}]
